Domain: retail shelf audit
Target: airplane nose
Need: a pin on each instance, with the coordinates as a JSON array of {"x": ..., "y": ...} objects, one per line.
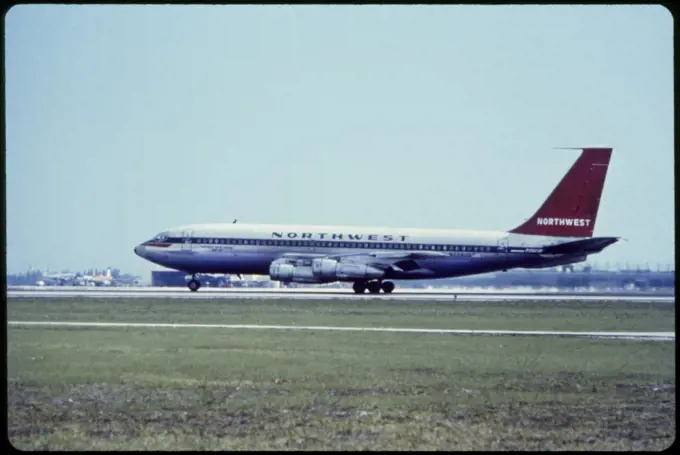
[{"x": 139, "y": 250}]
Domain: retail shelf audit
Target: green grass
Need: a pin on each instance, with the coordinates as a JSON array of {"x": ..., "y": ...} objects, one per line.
[
  {"x": 195, "y": 389},
  {"x": 513, "y": 315}
]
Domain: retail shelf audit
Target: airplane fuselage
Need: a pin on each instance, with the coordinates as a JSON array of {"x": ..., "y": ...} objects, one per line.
[{"x": 251, "y": 249}]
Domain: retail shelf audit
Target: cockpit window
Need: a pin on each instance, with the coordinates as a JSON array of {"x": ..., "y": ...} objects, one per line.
[{"x": 160, "y": 237}]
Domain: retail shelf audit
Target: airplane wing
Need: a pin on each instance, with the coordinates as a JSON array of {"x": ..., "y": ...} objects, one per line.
[{"x": 397, "y": 260}]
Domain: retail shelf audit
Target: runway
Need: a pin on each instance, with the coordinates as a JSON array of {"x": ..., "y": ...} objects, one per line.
[
  {"x": 326, "y": 293},
  {"x": 641, "y": 336}
]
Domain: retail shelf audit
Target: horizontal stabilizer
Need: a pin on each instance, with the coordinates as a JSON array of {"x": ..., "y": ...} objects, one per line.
[{"x": 586, "y": 246}]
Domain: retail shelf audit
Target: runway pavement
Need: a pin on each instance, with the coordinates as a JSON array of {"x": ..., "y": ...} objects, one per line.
[
  {"x": 324, "y": 293},
  {"x": 640, "y": 336}
]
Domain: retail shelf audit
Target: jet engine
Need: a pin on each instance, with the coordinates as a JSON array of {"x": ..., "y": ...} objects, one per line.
[
  {"x": 321, "y": 270},
  {"x": 335, "y": 270},
  {"x": 289, "y": 271}
]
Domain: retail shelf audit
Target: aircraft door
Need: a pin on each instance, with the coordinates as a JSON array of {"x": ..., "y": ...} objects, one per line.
[
  {"x": 503, "y": 246},
  {"x": 186, "y": 240}
]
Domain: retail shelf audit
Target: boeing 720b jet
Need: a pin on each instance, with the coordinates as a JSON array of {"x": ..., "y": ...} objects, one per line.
[{"x": 559, "y": 233}]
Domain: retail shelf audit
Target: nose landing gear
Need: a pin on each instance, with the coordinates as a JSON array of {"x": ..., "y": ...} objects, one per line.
[{"x": 194, "y": 284}]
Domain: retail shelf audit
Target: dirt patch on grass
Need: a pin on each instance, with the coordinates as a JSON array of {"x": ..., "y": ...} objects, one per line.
[{"x": 218, "y": 417}]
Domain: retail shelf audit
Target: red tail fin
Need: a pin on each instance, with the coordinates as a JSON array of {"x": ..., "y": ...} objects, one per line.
[{"x": 571, "y": 209}]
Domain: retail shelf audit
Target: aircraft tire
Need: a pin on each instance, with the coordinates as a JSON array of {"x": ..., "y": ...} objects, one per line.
[
  {"x": 387, "y": 287},
  {"x": 359, "y": 287},
  {"x": 373, "y": 287},
  {"x": 194, "y": 285}
]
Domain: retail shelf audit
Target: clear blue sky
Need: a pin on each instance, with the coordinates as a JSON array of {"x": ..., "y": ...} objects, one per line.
[{"x": 123, "y": 121}]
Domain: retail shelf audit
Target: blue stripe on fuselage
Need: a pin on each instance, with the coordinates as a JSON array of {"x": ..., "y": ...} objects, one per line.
[{"x": 225, "y": 260}]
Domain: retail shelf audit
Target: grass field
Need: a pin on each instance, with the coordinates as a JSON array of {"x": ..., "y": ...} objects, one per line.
[
  {"x": 166, "y": 389},
  {"x": 519, "y": 315}
]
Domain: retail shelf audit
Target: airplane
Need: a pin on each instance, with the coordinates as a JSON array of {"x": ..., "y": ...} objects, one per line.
[
  {"x": 559, "y": 233},
  {"x": 57, "y": 279},
  {"x": 99, "y": 279}
]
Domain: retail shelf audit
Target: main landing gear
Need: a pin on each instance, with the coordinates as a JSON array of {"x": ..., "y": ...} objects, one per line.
[
  {"x": 194, "y": 284},
  {"x": 373, "y": 287}
]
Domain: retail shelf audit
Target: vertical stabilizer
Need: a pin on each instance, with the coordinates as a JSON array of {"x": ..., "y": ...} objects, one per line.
[{"x": 571, "y": 209}]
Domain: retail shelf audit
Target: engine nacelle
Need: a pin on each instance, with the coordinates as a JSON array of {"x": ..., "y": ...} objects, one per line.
[
  {"x": 331, "y": 269},
  {"x": 321, "y": 270},
  {"x": 284, "y": 270}
]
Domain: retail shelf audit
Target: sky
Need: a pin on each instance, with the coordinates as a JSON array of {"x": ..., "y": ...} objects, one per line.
[{"x": 126, "y": 120}]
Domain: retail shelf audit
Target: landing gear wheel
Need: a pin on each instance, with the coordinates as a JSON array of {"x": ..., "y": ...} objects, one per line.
[
  {"x": 359, "y": 287},
  {"x": 374, "y": 287},
  {"x": 194, "y": 285},
  {"x": 387, "y": 287}
]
